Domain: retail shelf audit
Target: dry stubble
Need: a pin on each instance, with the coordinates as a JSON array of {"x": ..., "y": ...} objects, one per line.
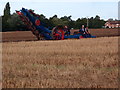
[{"x": 90, "y": 63}]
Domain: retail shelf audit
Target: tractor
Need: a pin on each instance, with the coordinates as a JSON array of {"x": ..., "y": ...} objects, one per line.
[{"x": 39, "y": 30}]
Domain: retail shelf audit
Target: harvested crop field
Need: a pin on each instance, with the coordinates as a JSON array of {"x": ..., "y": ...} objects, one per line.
[
  {"x": 28, "y": 36},
  {"x": 84, "y": 63}
]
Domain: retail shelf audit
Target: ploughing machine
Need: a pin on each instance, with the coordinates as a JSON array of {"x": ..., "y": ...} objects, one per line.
[{"x": 39, "y": 30}]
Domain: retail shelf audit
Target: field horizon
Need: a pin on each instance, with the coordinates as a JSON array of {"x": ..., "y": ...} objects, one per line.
[{"x": 15, "y": 36}]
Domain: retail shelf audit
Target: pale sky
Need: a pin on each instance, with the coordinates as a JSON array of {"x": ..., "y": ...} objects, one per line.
[{"x": 76, "y": 8}]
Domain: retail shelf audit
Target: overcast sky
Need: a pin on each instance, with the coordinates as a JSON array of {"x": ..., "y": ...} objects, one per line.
[{"x": 76, "y": 8}]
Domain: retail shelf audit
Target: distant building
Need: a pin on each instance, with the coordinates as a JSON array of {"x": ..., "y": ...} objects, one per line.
[{"x": 112, "y": 24}]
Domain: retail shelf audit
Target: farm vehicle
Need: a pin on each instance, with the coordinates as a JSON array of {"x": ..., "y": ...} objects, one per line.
[{"x": 39, "y": 30}]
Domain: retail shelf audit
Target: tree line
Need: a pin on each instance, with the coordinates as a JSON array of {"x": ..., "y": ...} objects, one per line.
[{"x": 12, "y": 22}]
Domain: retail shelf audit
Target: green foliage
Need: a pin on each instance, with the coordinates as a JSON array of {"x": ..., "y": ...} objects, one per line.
[
  {"x": 96, "y": 22},
  {"x": 55, "y": 20},
  {"x": 7, "y": 11},
  {"x": 6, "y": 16},
  {"x": 15, "y": 23},
  {"x": 11, "y": 22}
]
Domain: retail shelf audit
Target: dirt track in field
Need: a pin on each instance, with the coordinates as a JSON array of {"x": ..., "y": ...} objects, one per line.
[
  {"x": 18, "y": 36},
  {"x": 28, "y": 36}
]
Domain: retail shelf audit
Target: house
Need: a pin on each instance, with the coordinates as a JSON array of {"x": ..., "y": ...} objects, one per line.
[{"x": 112, "y": 24}]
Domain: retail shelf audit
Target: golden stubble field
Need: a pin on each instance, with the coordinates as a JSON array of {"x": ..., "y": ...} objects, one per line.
[{"x": 84, "y": 63}]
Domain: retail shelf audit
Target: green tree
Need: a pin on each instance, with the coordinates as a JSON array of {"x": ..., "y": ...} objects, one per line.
[
  {"x": 5, "y": 17},
  {"x": 97, "y": 17},
  {"x": 66, "y": 20},
  {"x": 55, "y": 21},
  {"x": 79, "y": 22},
  {"x": 15, "y": 23},
  {"x": 7, "y": 11},
  {"x": 91, "y": 24},
  {"x": 96, "y": 22}
]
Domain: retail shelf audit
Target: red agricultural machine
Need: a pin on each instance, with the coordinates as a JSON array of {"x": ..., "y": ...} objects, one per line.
[{"x": 38, "y": 29}]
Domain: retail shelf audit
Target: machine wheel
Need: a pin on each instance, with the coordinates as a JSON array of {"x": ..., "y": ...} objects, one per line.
[{"x": 58, "y": 33}]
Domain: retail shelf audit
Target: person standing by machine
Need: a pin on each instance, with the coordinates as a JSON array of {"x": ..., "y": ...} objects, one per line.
[
  {"x": 87, "y": 32},
  {"x": 82, "y": 31},
  {"x": 67, "y": 30}
]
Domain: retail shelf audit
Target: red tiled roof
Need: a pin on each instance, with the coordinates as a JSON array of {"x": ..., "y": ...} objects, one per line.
[{"x": 114, "y": 22}]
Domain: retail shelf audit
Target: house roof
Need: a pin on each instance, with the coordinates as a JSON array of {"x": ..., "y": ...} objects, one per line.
[{"x": 114, "y": 22}]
